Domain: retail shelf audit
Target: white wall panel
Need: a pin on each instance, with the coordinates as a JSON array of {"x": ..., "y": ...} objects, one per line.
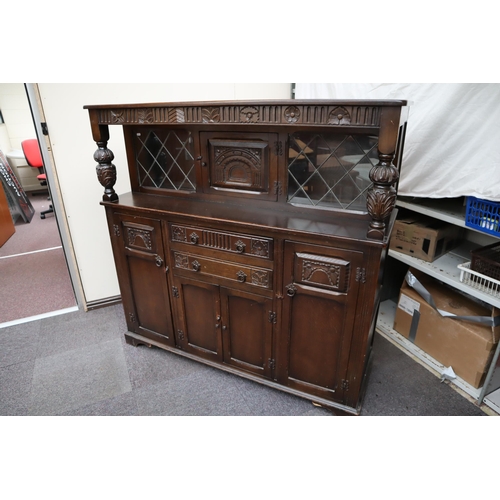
[{"x": 73, "y": 149}]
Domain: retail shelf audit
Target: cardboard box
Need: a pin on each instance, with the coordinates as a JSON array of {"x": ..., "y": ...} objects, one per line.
[
  {"x": 466, "y": 347},
  {"x": 423, "y": 237}
]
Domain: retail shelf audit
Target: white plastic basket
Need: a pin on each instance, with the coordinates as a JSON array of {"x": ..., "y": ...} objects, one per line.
[{"x": 479, "y": 281}]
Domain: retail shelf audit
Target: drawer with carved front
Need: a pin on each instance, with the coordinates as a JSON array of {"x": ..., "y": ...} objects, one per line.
[
  {"x": 221, "y": 240},
  {"x": 321, "y": 271},
  {"x": 252, "y": 276}
]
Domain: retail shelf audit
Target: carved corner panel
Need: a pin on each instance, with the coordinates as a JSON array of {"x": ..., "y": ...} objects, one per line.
[
  {"x": 325, "y": 272},
  {"x": 139, "y": 237}
]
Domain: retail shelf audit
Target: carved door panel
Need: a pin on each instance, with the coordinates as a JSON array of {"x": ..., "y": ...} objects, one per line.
[
  {"x": 198, "y": 318},
  {"x": 140, "y": 257},
  {"x": 240, "y": 164},
  {"x": 319, "y": 309},
  {"x": 247, "y": 328}
]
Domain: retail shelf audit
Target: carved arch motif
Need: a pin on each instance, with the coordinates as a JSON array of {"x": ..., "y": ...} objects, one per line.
[{"x": 139, "y": 238}]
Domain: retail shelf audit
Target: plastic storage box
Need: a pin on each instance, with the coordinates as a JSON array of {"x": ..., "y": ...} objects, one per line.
[
  {"x": 486, "y": 260},
  {"x": 483, "y": 215}
]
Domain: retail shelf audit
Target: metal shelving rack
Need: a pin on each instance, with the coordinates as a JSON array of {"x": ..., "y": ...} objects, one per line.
[{"x": 446, "y": 270}]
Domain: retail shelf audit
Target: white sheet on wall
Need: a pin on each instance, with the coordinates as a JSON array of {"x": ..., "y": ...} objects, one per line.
[{"x": 452, "y": 143}]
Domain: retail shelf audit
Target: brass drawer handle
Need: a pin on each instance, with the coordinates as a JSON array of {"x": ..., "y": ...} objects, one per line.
[
  {"x": 158, "y": 261},
  {"x": 241, "y": 276},
  {"x": 196, "y": 265},
  {"x": 291, "y": 290}
]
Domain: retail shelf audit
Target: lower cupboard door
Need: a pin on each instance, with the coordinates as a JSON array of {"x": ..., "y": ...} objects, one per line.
[
  {"x": 317, "y": 326},
  {"x": 198, "y": 318},
  {"x": 247, "y": 327}
]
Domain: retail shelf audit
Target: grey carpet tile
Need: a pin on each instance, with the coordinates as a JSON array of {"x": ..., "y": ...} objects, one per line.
[
  {"x": 266, "y": 401},
  {"x": 206, "y": 392},
  {"x": 120, "y": 406},
  {"x": 19, "y": 343},
  {"x": 119, "y": 313},
  {"x": 75, "y": 330},
  {"x": 78, "y": 378},
  {"x": 151, "y": 365},
  {"x": 15, "y": 388},
  {"x": 398, "y": 386}
]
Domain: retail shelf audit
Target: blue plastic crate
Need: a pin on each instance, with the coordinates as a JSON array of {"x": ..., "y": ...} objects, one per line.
[{"x": 483, "y": 215}]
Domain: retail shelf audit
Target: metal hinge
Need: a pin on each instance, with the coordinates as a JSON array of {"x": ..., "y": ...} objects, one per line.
[
  {"x": 180, "y": 335},
  {"x": 175, "y": 292},
  {"x": 45, "y": 129},
  {"x": 272, "y": 317},
  {"x": 278, "y": 148},
  {"x": 116, "y": 229},
  {"x": 272, "y": 363},
  {"x": 278, "y": 189},
  {"x": 361, "y": 275},
  {"x": 344, "y": 385},
  {"x": 131, "y": 317}
]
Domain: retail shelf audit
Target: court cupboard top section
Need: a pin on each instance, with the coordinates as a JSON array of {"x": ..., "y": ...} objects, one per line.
[{"x": 337, "y": 155}]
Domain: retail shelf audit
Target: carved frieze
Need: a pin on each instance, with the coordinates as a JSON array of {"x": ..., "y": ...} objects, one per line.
[
  {"x": 292, "y": 114},
  {"x": 249, "y": 114},
  {"x": 210, "y": 115},
  {"x": 339, "y": 116},
  {"x": 145, "y": 116},
  {"x": 176, "y": 115},
  {"x": 360, "y": 116},
  {"x": 117, "y": 116}
]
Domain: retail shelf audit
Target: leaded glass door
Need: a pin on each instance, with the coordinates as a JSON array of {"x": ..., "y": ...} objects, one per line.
[{"x": 330, "y": 169}]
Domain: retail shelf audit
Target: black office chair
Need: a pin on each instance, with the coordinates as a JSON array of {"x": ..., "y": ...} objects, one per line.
[{"x": 33, "y": 156}]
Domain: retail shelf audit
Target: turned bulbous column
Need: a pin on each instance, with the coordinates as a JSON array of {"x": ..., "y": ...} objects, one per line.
[
  {"x": 381, "y": 198},
  {"x": 106, "y": 171}
]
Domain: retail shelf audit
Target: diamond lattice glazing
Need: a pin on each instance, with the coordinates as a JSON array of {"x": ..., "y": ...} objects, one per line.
[
  {"x": 330, "y": 170},
  {"x": 166, "y": 160}
]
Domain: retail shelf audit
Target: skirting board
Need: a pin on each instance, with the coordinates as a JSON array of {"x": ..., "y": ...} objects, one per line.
[{"x": 109, "y": 301}]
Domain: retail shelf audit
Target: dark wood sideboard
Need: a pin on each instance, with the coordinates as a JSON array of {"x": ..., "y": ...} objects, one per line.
[{"x": 255, "y": 234}]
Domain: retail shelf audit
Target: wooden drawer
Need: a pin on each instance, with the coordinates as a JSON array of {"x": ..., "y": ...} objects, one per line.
[
  {"x": 242, "y": 244},
  {"x": 239, "y": 273}
]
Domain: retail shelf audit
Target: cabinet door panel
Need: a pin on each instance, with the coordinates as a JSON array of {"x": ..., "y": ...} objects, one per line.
[
  {"x": 242, "y": 164},
  {"x": 315, "y": 336},
  {"x": 140, "y": 259},
  {"x": 199, "y": 318},
  {"x": 319, "y": 307},
  {"x": 247, "y": 331}
]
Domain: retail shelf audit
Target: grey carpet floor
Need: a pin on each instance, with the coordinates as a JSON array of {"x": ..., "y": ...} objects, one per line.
[{"x": 79, "y": 364}]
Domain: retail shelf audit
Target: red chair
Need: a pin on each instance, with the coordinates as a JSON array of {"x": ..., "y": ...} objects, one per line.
[{"x": 33, "y": 156}]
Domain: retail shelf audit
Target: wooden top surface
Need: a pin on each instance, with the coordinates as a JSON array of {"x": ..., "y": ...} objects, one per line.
[
  {"x": 271, "y": 102},
  {"x": 267, "y": 215}
]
